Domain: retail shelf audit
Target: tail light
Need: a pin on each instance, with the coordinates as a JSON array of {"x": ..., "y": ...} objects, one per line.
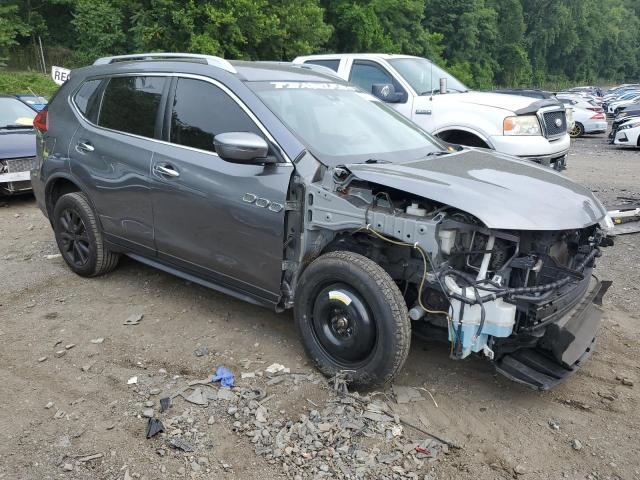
[
  {"x": 41, "y": 122},
  {"x": 598, "y": 116},
  {"x": 595, "y": 109}
]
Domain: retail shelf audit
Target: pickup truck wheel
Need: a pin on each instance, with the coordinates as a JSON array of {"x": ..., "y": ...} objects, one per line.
[
  {"x": 79, "y": 238},
  {"x": 577, "y": 130},
  {"x": 352, "y": 317}
]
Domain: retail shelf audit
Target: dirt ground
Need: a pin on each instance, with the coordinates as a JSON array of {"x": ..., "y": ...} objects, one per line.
[{"x": 505, "y": 430}]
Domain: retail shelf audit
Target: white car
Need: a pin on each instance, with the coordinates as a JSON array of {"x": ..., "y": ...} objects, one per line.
[
  {"x": 521, "y": 126},
  {"x": 580, "y": 101},
  {"x": 585, "y": 121},
  {"x": 629, "y": 133},
  {"x": 623, "y": 101}
]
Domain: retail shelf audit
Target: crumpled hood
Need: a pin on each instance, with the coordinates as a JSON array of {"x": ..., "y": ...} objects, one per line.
[
  {"x": 501, "y": 191},
  {"x": 17, "y": 143}
]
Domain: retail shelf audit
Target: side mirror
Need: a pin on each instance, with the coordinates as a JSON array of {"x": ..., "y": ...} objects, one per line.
[
  {"x": 387, "y": 93},
  {"x": 243, "y": 147}
]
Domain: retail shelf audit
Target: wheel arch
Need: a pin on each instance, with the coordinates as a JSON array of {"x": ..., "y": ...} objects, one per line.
[
  {"x": 60, "y": 185},
  {"x": 453, "y": 134}
]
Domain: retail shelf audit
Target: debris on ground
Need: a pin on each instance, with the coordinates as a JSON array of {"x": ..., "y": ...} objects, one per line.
[
  {"x": 406, "y": 394},
  {"x": 165, "y": 403},
  {"x": 132, "y": 381},
  {"x": 224, "y": 375},
  {"x": 277, "y": 368},
  {"x": 346, "y": 436},
  {"x": 201, "y": 351},
  {"x": 133, "y": 319},
  {"x": 154, "y": 426},
  {"x": 180, "y": 444},
  {"x": 97, "y": 341}
]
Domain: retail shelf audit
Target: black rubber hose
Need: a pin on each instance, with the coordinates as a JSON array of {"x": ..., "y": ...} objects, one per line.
[{"x": 522, "y": 290}]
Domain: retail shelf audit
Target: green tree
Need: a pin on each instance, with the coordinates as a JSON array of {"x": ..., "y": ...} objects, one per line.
[
  {"x": 385, "y": 26},
  {"x": 250, "y": 29},
  {"x": 98, "y": 28},
  {"x": 512, "y": 61},
  {"x": 10, "y": 27}
]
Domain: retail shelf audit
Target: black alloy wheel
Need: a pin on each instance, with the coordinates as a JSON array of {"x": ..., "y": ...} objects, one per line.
[
  {"x": 75, "y": 245},
  {"x": 79, "y": 237}
]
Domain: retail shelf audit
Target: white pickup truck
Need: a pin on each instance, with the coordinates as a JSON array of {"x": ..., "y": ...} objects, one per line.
[{"x": 438, "y": 102}]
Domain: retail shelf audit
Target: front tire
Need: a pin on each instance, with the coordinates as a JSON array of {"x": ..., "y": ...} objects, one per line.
[
  {"x": 79, "y": 238},
  {"x": 352, "y": 317}
]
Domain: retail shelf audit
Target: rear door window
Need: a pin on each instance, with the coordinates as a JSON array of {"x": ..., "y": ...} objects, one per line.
[
  {"x": 132, "y": 104},
  {"x": 87, "y": 99},
  {"x": 201, "y": 111}
]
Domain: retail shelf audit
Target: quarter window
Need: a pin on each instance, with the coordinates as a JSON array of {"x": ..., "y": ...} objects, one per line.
[
  {"x": 87, "y": 99},
  {"x": 131, "y": 105},
  {"x": 200, "y": 111}
]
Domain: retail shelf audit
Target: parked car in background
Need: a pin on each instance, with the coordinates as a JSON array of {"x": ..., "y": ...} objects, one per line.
[
  {"x": 628, "y": 134},
  {"x": 580, "y": 101},
  {"x": 627, "y": 113},
  {"x": 17, "y": 145},
  {"x": 291, "y": 188},
  {"x": 531, "y": 129},
  {"x": 612, "y": 103},
  {"x": 617, "y": 107},
  {"x": 34, "y": 101},
  {"x": 585, "y": 121}
]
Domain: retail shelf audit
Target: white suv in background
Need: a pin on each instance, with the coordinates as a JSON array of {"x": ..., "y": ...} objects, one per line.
[{"x": 438, "y": 102}]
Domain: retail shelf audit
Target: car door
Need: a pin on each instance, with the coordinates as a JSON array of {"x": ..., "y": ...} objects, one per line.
[
  {"x": 218, "y": 219},
  {"x": 111, "y": 153},
  {"x": 366, "y": 73}
]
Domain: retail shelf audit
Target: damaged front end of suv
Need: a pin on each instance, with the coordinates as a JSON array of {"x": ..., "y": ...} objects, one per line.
[{"x": 496, "y": 257}]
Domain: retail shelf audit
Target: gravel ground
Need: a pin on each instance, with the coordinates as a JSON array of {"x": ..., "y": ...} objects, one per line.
[{"x": 65, "y": 347}]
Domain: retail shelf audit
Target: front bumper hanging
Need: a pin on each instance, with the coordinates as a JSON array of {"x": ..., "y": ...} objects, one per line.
[{"x": 563, "y": 348}]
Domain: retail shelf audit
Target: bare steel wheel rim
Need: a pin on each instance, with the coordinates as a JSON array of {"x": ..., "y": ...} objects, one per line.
[
  {"x": 74, "y": 239},
  {"x": 343, "y": 325}
]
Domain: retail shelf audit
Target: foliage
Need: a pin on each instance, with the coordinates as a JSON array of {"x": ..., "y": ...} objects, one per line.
[
  {"x": 23, "y": 82},
  {"x": 11, "y": 25},
  {"x": 484, "y": 42}
]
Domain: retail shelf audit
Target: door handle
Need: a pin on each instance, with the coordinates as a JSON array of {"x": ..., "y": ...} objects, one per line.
[
  {"x": 84, "y": 147},
  {"x": 166, "y": 170}
]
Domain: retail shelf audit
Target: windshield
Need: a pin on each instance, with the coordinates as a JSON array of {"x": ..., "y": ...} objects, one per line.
[
  {"x": 15, "y": 113},
  {"x": 424, "y": 76},
  {"x": 342, "y": 124}
]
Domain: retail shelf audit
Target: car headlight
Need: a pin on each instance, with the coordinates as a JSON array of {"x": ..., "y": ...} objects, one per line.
[
  {"x": 522, "y": 125},
  {"x": 626, "y": 126},
  {"x": 622, "y": 115}
]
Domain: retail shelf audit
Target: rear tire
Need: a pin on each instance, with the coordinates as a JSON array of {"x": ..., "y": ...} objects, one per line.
[
  {"x": 352, "y": 317},
  {"x": 577, "y": 131},
  {"x": 79, "y": 238}
]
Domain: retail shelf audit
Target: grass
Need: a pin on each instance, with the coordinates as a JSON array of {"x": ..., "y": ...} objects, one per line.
[{"x": 26, "y": 82}]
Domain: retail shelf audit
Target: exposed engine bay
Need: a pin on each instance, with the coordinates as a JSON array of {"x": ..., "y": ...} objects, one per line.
[{"x": 488, "y": 291}]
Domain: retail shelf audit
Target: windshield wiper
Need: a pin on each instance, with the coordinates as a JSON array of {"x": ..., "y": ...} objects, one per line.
[{"x": 16, "y": 126}]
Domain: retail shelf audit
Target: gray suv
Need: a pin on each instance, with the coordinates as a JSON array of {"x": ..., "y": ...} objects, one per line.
[{"x": 288, "y": 187}]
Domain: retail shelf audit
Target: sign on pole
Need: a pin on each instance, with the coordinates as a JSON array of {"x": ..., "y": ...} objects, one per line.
[{"x": 59, "y": 74}]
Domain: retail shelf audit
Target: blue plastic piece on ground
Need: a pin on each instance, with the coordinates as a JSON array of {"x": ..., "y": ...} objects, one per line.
[{"x": 225, "y": 376}]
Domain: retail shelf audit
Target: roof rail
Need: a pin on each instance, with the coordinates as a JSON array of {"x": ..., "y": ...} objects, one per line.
[{"x": 209, "y": 59}]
